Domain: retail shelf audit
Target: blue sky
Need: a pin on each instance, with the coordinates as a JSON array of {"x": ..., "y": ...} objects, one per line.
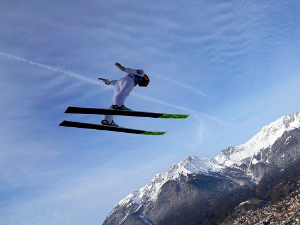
[{"x": 233, "y": 65}]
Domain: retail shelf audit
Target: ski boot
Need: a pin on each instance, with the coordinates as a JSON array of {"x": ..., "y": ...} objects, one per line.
[
  {"x": 112, "y": 124},
  {"x": 123, "y": 107}
]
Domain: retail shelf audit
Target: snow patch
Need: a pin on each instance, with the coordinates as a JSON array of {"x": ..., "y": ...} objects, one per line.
[
  {"x": 254, "y": 161},
  {"x": 246, "y": 202},
  {"x": 145, "y": 220}
]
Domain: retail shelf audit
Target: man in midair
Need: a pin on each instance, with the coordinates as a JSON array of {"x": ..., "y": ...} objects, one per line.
[{"x": 123, "y": 87}]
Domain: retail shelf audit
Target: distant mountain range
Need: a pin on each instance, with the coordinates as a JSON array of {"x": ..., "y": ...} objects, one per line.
[{"x": 209, "y": 190}]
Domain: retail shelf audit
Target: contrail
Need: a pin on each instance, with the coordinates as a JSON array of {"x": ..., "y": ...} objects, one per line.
[
  {"x": 179, "y": 83},
  {"x": 80, "y": 77},
  {"x": 88, "y": 80},
  {"x": 178, "y": 107}
]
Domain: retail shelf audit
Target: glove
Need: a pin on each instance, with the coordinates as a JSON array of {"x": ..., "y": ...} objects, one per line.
[
  {"x": 120, "y": 66},
  {"x": 106, "y": 81}
]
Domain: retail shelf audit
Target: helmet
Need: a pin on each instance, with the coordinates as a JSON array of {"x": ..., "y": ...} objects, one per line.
[{"x": 144, "y": 81}]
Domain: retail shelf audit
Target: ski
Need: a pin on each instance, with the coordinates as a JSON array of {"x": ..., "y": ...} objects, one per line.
[
  {"x": 80, "y": 110},
  {"x": 109, "y": 128}
]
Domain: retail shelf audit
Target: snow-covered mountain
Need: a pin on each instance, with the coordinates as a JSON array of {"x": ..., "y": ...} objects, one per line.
[
  {"x": 262, "y": 140},
  {"x": 207, "y": 179},
  {"x": 143, "y": 196},
  {"x": 190, "y": 165}
]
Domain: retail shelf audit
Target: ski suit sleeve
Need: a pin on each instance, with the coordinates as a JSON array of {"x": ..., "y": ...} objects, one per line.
[
  {"x": 138, "y": 72},
  {"x": 112, "y": 82}
]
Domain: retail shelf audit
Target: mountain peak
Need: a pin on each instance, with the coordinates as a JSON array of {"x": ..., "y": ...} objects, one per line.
[
  {"x": 190, "y": 165},
  {"x": 195, "y": 165},
  {"x": 262, "y": 140}
]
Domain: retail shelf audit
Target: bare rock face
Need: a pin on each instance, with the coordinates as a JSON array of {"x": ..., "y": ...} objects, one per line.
[
  {"x": 198, "y": 198},
  {"x": 283, "y": 207}
]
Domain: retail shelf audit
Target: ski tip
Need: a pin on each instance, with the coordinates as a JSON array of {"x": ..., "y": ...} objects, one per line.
[
  {"x": 153, "y": 133},
  {"x": 174, "y": 116}
]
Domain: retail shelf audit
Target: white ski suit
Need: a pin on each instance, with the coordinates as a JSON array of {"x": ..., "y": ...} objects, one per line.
[{"x": 123, "y": 87}]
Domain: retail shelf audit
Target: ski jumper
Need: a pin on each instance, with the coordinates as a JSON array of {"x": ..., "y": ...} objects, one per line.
[{"x": 123, "y": 87}]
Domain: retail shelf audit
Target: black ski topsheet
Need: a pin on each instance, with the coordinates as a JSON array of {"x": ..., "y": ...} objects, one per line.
[
  {"x": 109, "y": 128},
  {"x": 80, "y": 110}
]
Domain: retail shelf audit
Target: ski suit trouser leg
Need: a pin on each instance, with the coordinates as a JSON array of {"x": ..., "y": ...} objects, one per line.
[{"x": 123, "y": 87}]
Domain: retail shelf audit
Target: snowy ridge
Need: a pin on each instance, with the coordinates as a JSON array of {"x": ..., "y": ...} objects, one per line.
[
  {"x": 194, "y": 165},
  {"x": 190, "y": 165},
  {"x": 264, "y": 139}
]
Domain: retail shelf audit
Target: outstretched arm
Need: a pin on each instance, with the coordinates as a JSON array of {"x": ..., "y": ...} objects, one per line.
[
  {"x": 108, "y": 82},
  {"x": 130, "y": 71},
  {"x": 120, "y": 66}
]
